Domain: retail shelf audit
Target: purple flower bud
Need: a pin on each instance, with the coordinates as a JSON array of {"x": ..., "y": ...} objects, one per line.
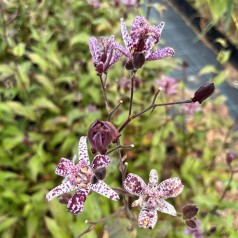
[
  {"x": 191, "y": 223},
  {"x": 101, "y": 134},
  {"x": 205, "y": 91},
  {"x": 64, "y": 198},
  {"x": 100, "y": 173},
  {"x": 189, "y": 211},
  {"x": 230, "y": 156},
  {"x": 129, "y": 65},
  {"x": 138, "y": 60}
]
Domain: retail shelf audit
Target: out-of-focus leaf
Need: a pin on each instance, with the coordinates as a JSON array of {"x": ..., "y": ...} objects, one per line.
[
  {"x": 21, "y": 110},
  {"x": 7, "y": 223},
  {"x": 55, "y": 229},
  {"x": 207, "y": 70},
  {"x": 81, "y": 38},
  {"x": 45, "y": 103},
  {"x": 19, "y": 50},
  {"x": 39, "y": 60}
]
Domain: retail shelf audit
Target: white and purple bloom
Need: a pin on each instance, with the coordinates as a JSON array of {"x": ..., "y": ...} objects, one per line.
[
  {"x": 82, "y": 178},
  {"x": 142, "y": 39},
  {"x": 167, "y": 84},
  {"x": 104, "y": 53},
  {"x": 191, "y": 108},
  {"x": 152, "y": 196},
  {"x": 129, "y": 3}
]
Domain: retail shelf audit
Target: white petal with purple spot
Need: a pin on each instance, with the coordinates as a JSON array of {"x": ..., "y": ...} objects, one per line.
[
  {"x": 63, "y": 167},
  {"x": 59, "y": 190},
  {"x": 83, "y": 150},
  {"x": 100, "y": 161},
  {"x": 147, "y": 218},
  {"x": 134, "y": 184},
  {"x": 166, "y": 207},
  {"x": 103, "y": 189}
]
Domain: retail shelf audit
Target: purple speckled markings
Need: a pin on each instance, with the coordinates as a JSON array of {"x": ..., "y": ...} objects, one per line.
[
  {"x": 79, "y": 177},
  {"x": 152, "y": 196},
  {"x": 142, "y": 39}
]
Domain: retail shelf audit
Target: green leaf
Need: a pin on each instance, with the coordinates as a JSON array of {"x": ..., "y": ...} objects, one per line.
[
  {"x": 46, "y": 104},
  {"x": 19, "y": 50},
  {"x": 81, "y": 38},
  {"x": 55, "y": 230},
  {"x": 21, "y": 110},
  {"x": 7, "y": 223},
  {"x": 39, "y": 60},
  {"x": 208, "y": 69}
]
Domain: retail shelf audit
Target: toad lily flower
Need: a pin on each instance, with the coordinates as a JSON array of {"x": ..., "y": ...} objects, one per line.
[
  {"x": 105, "y": 56},
  {"x": 82, "y": 178},
  {"x": 152, "y": 196},
  {"x": 142, "y": 39}
]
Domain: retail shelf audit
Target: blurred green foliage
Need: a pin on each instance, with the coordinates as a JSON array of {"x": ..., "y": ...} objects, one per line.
[{"x": 49, "y": 95}]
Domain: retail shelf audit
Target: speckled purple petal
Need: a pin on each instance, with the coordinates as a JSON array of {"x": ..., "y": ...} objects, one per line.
[
  {"x": 100, "y": 161},
  {"x": 134, "y": 184},
  {"x": 83, "y": 150},
  {"x": 122, "y": 49},
  {"x": 153, "y": 180},
  {"x": 59, "y": 190},
  {"x": 63, "y": 167},
  {"x": 165, "y": 207},
  {"x": 159, "y": 28},
  {"x": 103, "y": 189},
  {"x": 125, "y": 36},
  {"x": 94, "y": 50},
  {"x": 161, "y": 53},
  {"x": 76, "y": 202},
  {"x": 138, "y": 23},
  {"x": 169, "y": 188},
  {"x": 147, "y": 218}
]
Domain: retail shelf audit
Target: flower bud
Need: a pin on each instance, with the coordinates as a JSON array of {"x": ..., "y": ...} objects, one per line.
[
  {"x": 100, "y": 173},
  {"x": 64, "y": 198},
  {"x": 138, "y": 60},
  {"x": 101, "y": 134},
  {"x": 230, "y": 156},
  {"x": 191, "y": 223},
  {"x": 129, "y": 65},
  {"x": 205, "y": 91},
  {"x": 189, "y": 211}
]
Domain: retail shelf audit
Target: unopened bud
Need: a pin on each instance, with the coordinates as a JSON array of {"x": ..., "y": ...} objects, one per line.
[
  {"x": 101, "y": 134},
  {"x": 129, "y": 65},
  {"x": 205, "y": 91},
  {"x": 64, "y": 198},
  {"x": 189, "y": 211},
  {"x": 191, "y": 223},
  {"x": 138, "y": 60},
  {"x": 230, "y": 157}
]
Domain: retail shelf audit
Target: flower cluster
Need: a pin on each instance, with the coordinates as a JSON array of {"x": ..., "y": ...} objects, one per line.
[{"x": 82, "y": 177}]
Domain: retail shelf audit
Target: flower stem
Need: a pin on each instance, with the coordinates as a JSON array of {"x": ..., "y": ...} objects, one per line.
[
  {"x": 114, "y": 109},
  {"x": 132, "y": 92},
  {"x": 104, "y": 94},
  {"x": 152, "y": 106}
]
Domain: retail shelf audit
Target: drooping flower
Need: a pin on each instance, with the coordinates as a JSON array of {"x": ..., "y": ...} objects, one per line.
[
  {"x": 142, "y": 39},
  {"x": 152, "y": 196},
  {"x": 167, "y": 84},
  {"x": 104, "y": 53},
  {"x": 82, "y": 178},
  {"x": 191, "y": 108},
  {"x": 101, "y": 134}
]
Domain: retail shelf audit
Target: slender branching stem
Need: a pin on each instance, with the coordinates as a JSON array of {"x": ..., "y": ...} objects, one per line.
[
  {"x": 104, "y": 94},
  {"x": 114, "y": 110},
  {"x": 120, "y": 147},
  {"x": 132, "y": 92},
  {"x": 152, "y": 106}
]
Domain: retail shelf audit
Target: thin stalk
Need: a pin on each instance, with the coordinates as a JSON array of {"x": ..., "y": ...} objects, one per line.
[
  {"x": 132, "y": 92},
  {"x": 104, "y": 94},
  {"x": 152, "y": 106}
]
